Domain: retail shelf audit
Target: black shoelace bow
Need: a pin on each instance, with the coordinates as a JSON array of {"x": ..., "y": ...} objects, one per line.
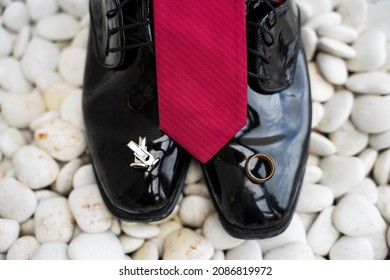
[
  {"x": 265, "y": 33},
  {"x": 134, "y": 36}
]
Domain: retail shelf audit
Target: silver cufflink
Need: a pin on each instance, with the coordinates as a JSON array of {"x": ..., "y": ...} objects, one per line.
[{"x": 142, "y": 158}]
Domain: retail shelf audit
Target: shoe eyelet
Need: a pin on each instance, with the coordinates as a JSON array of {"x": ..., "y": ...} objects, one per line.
[{"x": 269, "y": 166}]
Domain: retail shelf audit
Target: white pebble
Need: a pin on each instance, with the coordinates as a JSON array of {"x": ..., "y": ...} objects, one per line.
[
  {"x": 41, "y": 8},
  {"x": 318, "y": 7},
  {"x": 71, "y": 110},
  {"x": 368, "y": 189},
  {"x": 89, "y": 210},
  {"x": 322, "y": 234},
  {"x": 317, "y": 112},
  {"x": 375, "y": 82},
  {"x": 348, "y": 140},
  {"x": 307, "y": 219},
  {"x": 41, "y": 56},
  {"x": 368, "y": 156},
  {"x": 378, "y": 242},
  {"x": 219, "y": 255},
  {"x": 6, "y": 42},
  {"x": 314, "y": 198},
  {"x": 313, "y": 174},
  {"x": 330, "y": 18},
  {"x": 96, "y": 246},
  {"x": 194, "y": 173},
  {"x": 336, "y": 111},
  {"x": 15, "y": 16},
  {"x": 6, "y": 167},
  {"x": 371, "y": 114},
  {"x": 81, "y": 39},
  {"x": 85, "y": 20},
  {"x": 17, "y": 202},
  {"x": 12, "y": 77},
  {"x": 148, "y": 251},
  {"x": 380, "y": 141},
  {"x": 320, "y": 145},
  {"x": 321, "y": 90},
  {"x": 8, "y": 234},
  {"x": 130, "y": 244},
  {"x": 58, "y": 27},
  {"x": 370, "y": 51},
  {"x": 334, "y": 69},
  {"x": 386, "y": 66},
  {"x": 351, "y": 248},
  {"x": 43, "y": 118},
  {"x": 291, "y": 251},
  {"x": 185, "y": 244},
  {"x": 76, "y": 7},
  {"x": 61, "y": 140},
  {"x": 295, "y": 232},
  {"x": 27, "y": 227},
  {"x": 354, "y": 13},
  {"x": 199, "y": 189},
  {"x": 165, "y": 230},
  {"x": 84, "y": 176},
  {"x": 19, "y": 110},
  {"x": 45, "y": 193},
  {"x": 34, "y": 167},
  {"x": 11, "y": 140},
  {"x": 141, "y": 230},
  {"x": 52, "y": 251},
  {"x": 341, "y": 173},
  {"x": 63, "y": 183},
  {"x": 309, "y": 40},
  {"x": 56, "y": 93},
  {"x": 216, "y": 234},
  {"x": 378, "y": 16},
  {"x": 72, "y": 64},
  {"x": 23, "y": 248},
  {"x": 249, "y": 250},
  {"x": 388, "y": 237},
  {"x": 4, "y": 3},
  {"x": 21, "y": 41},
  {"x": 116, "y": 227},
  {"x": 53, "y": 220},
  {"x": 336, "y": 48},
  {"x": 383, "y": 202},
  {"x": 340, "y": 32},
  {"x": 382, "y": 168},
  {"x": 194, "y": 210},
  {"x": 355, "y": 215}
]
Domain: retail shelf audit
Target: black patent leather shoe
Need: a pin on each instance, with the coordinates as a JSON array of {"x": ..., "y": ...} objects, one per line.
[
  {"x": 255, "y": 180},
  {"x": 140, "y": 170}
]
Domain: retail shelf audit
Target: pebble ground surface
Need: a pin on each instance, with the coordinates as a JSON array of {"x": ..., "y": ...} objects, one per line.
[{"x": 50, "y": 206}]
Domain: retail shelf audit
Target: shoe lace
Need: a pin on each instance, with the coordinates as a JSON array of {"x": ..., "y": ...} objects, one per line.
[
  {"x": 265, "y": 34},
  {"x": 134, "y": 35}
]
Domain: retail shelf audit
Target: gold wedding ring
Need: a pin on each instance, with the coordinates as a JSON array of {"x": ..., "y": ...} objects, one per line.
[{"x": 270, "y": 167}]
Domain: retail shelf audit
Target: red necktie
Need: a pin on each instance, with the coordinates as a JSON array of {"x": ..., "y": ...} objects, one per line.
[{"x": 201, "y": 61}]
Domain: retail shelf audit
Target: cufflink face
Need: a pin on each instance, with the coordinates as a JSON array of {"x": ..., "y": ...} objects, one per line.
[
  {"x": 142, "y": 158},
  {"x": 269, "y": 166}
]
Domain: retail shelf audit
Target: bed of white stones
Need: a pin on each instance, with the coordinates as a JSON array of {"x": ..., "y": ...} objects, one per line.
[{"x": 50, "y": 207}]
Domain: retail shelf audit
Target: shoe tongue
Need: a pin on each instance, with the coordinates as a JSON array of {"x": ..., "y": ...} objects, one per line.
[
  {"x": 258, "y": 9},
  {"x": 102, "y": 25},
  {"x": 147, "y": 16}
]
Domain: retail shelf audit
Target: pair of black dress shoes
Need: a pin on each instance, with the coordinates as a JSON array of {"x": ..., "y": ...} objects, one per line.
[{"x": 254, "y": 181}]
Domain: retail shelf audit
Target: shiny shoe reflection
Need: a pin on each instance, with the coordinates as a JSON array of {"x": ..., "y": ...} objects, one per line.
[
  {"x": 278, "y": 126},
  {"x": 120, "y": 106}
]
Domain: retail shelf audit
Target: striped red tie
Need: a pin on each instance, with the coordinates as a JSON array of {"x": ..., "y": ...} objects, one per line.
[{"x": 201, "y": 65}]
